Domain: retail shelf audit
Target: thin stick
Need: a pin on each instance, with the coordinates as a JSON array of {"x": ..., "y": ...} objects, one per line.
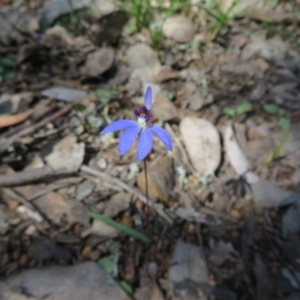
[
  {"x": 6, "y": 143},
  {"x": 158, "y": 207},
  {"x": 27, "y": 176},
  {"x": 147, "y": 193}
]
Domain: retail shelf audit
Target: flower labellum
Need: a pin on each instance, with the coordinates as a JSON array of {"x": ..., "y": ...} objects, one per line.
[{"x": 133, "y": 129}]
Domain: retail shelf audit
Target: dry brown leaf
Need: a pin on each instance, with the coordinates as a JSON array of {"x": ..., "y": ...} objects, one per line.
[
  {"x": 264, "y": 194},
  {"x": 57, "y": 209},
  {"x": 188, "y": 273},
  {"x": 101, "y": 229},
  {"x": 163, "y": 108},
  {"x": 160, "y": 179},
  {"x": 202, "y": 142},
  {"x": 236, "y": 156},
  {"x": 98, "y": 62},
  {"x": 6, "y": 121}
]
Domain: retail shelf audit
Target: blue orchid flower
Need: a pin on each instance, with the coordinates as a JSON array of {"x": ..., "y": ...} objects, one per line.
[{"x": 133, "y": 129}]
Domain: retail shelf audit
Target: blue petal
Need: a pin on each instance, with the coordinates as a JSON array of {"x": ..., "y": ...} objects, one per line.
[
  {"x": 145, "y": 144},
  {"x": 163, "y": 136},
  {"x": 118, "y": 125},
  {"x": 127, "y": 139},
  {"x": 148, "y": 98}
]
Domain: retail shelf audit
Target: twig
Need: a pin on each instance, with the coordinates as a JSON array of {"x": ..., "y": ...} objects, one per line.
[
  {"x": 5, "y": 144},
  {"x": 128, "y": 189},
  {"x": 47, "y": 190},
  {"x": 25, "y": 176},
  {"x": 98, "y": 182},
  {"x": 10, "y": 193},
  {"x": 218, "y": 214}
]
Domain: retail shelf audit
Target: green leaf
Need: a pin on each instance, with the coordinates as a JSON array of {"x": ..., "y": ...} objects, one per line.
[
  {"x": 126, "y": 287},
  {"x": 2, "y": 69},
  {"x": 229, "y": 111},
  {"x": 273, "y": 3},
  {"x": 106, "y": 95},
  {"x": 130, "y": 28},
  {"x": 7, "y": 62},
  {"x": 9, "y": 75},
  {"x": 285, "y": 124},
  {"x": 129, "y": 113},
  {"x": 281, "y": 111},
  {"x": 107, "y": 264},
  {"x": 269, "y": 158},
  {"x": 169, "y": 95},
  {"x": 120, "y": 227},
  {"x": 243, "y": 108},
  {"x": 271, "y": 109}
]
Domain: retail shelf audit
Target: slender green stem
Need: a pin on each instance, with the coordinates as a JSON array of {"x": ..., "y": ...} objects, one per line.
[{"x": 146, "y": 185}]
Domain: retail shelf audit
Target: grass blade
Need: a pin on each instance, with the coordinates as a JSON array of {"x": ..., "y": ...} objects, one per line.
[{"x": 120, "y": 227}]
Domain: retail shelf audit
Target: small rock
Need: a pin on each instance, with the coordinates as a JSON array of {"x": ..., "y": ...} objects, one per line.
[
  {"x": 67, "y": 155},
  {"x": 94, "y": 121},
  {"x": 9, "y": 293},
  {"x": 102, "y": 164},
  {"x": 30, "y": 230},
  {"x": 160, "y": 179},
  {"x": 188, "y": 263},
  {"x": 83, "y": 281},
  {"x": 98, "y": 62},
  {"x": 179, "y": 28},
  {"x": 163, "y": 108}
]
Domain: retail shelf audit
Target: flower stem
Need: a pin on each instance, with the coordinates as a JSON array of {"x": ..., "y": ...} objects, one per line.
[{"x": 146, "y": 183}]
